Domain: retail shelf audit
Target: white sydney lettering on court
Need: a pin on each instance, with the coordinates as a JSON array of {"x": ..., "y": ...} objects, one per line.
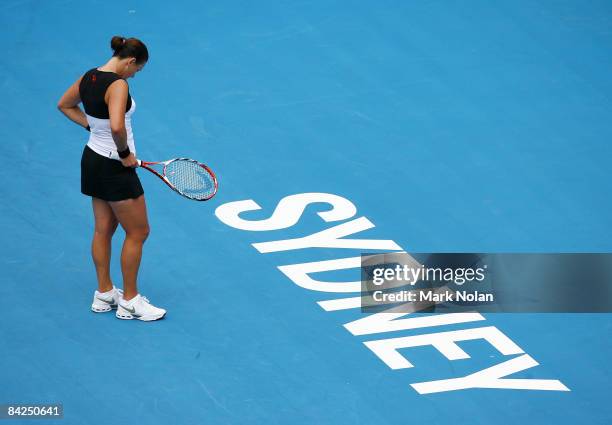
[{"x": 288, "y": 212}]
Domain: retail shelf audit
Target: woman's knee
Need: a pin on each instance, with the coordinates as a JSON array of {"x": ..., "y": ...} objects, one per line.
[
  {"x": 145, "y": 232},
  {"x": 106, "y": 228},
  {"x": 140, "y": 233}
]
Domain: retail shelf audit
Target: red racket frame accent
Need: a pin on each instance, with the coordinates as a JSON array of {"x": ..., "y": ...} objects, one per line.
[{"x": 145, "y": 165}]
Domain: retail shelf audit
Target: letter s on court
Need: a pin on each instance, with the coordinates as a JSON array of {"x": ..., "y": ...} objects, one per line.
[{"x": 287, "y": 212}]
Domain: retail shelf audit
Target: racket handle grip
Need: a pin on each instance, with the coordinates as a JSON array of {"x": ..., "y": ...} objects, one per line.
[{"x": 139, "y": 162}]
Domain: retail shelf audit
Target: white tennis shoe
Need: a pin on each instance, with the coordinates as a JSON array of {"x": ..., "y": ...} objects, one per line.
[
  {"x": 106, "y": 301},
  {"x": 139, "y": 308}
]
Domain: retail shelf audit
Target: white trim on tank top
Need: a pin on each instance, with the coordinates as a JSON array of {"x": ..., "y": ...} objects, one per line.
[{"x": 101, "y": 138}]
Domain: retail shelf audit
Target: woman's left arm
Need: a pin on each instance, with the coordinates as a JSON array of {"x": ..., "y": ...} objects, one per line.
[{"x": 69, "y": 105}]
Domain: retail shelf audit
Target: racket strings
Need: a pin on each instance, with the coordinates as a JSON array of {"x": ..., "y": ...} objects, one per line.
[{"x": 190, "y": 179}]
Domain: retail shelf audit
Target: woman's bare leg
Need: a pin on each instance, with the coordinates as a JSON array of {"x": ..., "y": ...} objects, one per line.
[
  {"x": 105, "y": 226},
  {"x": 132, "y": 214}
]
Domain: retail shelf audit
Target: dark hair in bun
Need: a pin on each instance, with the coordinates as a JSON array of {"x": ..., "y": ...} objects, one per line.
[{"x": 129, "y": 48}]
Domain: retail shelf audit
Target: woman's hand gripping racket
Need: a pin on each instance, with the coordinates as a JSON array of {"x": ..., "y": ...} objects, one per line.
[{"x": 186, "y": 177}]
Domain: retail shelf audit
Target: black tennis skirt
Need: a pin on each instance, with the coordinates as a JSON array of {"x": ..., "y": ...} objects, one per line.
[{"x": 107, "y": 178}]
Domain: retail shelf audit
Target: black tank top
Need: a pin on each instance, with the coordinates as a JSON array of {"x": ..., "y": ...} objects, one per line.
[{"x": 92, "y": 90}]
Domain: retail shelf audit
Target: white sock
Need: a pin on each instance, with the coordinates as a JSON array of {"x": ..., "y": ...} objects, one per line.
[{"x": 130, "y": 302}]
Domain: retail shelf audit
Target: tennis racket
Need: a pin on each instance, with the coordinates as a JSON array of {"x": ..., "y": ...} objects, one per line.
[{"x": 185, "y": 176}]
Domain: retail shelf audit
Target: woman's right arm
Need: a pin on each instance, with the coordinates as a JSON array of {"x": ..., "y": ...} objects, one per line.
[
  {"x": 69, "y": 105},
  {"x": 117, "y": 95}
]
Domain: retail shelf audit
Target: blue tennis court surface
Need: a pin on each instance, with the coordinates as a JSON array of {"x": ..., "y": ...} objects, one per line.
[{"x": 450, "y": 126}]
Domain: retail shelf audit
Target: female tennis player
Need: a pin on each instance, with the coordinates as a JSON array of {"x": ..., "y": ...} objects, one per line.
[{"x": 108, "y": 174}]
